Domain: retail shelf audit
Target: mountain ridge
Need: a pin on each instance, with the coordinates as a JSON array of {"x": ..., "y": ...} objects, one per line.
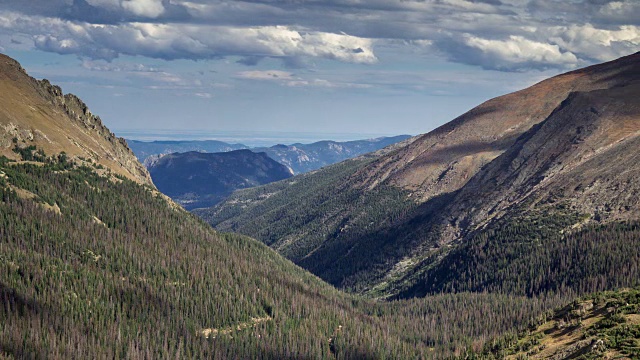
[
  {"x": 196, "y": 179},
  {"x": 35, "y": 112},
  {"x": 300, "y": 158},
  {"x": 418, "y": 202}
]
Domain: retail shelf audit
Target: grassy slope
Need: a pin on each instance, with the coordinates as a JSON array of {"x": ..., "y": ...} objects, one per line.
[{"x": 599, "y": 326}]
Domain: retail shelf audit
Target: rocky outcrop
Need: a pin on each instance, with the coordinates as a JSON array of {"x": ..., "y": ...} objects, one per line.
[{"x": 35, "y": 112}]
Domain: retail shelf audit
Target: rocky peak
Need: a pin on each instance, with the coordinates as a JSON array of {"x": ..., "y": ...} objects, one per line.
[{"x": 36, "y": 112}]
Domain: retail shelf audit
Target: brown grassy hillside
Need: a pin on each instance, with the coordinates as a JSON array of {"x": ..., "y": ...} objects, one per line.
[{"x": 37, "y": 113}]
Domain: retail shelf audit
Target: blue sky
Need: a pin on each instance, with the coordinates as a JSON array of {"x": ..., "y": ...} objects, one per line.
[{"x": 335, "y": 66}]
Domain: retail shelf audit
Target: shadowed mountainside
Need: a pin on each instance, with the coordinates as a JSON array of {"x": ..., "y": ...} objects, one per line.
[
  {"x": 392, "y": 224},
  {"x": 196, "y": 179}
]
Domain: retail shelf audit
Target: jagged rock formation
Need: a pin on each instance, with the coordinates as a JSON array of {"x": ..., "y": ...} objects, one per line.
[{"x": 37, "y": 113}]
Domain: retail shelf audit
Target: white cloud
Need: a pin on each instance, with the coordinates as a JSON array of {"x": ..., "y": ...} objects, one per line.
[
  {"x": 275, "y": 75},
  {"x": 322, "y": 83},
  {"x": 180, "y": 41},
  {"x": 517, "y": 52},
  {"x": 143, "y": 8},
  {"x": 286, "y": 78},
  {"x": 104, "y": 3},
  {"x": 508, "y": 35},
  {"x": 620, "y": 11},
  {"x": 598, "y": 44},
  {"x": 147, "y": 8},
  {"x": 100, "y": 65}
]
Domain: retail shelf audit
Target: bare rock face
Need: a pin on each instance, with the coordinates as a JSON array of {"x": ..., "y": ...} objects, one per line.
[{"x": 38, "y": 113}]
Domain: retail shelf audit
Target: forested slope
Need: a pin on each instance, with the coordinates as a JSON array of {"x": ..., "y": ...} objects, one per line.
[
  {"x": 195, "y": 179},
  {"x": 98, "y": 266}
]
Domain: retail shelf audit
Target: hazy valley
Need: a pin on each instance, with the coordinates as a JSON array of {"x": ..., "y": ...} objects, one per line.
[{"x": 199, "y": 174}]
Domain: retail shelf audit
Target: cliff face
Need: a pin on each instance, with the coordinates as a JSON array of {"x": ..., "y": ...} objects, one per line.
[{"x": 37, "y": 113}]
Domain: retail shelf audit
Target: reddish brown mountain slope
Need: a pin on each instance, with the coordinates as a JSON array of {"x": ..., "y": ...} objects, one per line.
[{"x": 446, "y": 158}]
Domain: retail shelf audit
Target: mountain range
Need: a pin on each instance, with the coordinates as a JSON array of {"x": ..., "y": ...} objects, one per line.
[
  {"x": 197, "y": 179},
  {"x": 477, "y": 230},
  {"x": 507, "y": 197},
  {"x": 148, "y": 151},
  {"x": 299, "y": 158},
  {"x": 302, "y": 158}
]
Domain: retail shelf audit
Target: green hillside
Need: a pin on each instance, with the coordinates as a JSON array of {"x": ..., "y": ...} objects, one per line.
[
  {"x": 599, "y": 326},
  {"x": 530, "y": 253},
  {"x": 97, "y": 266},
  {"x": 343, "y": 234}
]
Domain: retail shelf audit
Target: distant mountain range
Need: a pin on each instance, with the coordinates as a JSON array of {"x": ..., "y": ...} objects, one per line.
[
  {"x": 300, "y": 158},
  {"x": 197, "y": 179},
  {"x": 146, "y": 149}
]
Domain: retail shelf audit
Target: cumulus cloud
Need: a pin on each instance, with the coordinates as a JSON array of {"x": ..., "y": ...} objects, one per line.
[
  {"x": 620, "y": 11},
  {"x": 514, "y": 53},
  {"x": 597, "y": 44},
  {"x": 507, "y": 35},
  {"x": 149, "y": 8},
  {"x": 143, "y": 8},
  {"x": 180, "y": 41}
]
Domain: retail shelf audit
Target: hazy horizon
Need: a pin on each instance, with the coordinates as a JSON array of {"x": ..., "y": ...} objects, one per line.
[{"x": 248, "y": 138}]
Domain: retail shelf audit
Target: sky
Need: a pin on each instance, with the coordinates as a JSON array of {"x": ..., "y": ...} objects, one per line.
[{"x": 332, "y": 69}]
